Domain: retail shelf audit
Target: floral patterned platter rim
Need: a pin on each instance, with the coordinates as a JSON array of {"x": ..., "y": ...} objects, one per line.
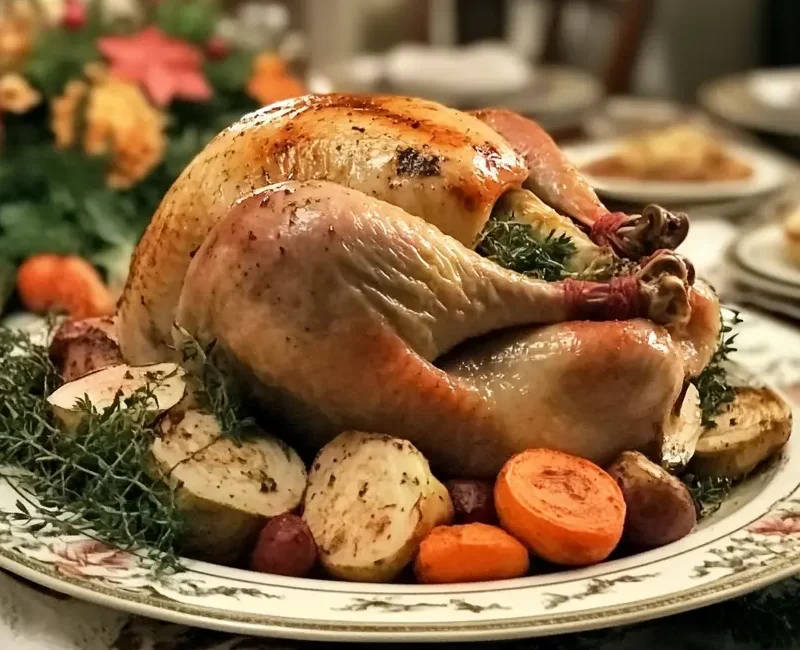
[{"x": 753, "y": 540}]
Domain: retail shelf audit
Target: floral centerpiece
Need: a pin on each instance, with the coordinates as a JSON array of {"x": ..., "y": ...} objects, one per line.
[{"x": 99, "y": 113}]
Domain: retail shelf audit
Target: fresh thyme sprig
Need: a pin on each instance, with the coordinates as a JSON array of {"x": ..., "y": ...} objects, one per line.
[
  {"x": 517, "y": 247},
  {"x": 712, "y": 384},
  {"x": 708, "y": 494},
  {"x": 213, "y": 389},
  {"x": 99, "y": 475}
]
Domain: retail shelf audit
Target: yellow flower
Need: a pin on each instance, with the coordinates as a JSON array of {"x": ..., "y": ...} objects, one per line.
[
  {"x": 17, "y": 24},
  {"x": 118, "y": 121},
  {"x": 16, "y": 94},
  {"x": 63, "y": 113},
  {"x": 270, "y": 81}
]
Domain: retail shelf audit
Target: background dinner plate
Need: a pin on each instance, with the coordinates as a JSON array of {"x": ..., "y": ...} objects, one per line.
[
  {"x": 761, "y": 251},
  {"x": 769, "y": 174},
  {"x": 733, "y": 99}
]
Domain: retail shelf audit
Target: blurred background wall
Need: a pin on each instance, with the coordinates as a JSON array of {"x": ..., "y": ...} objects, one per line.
[{"x": 684, "y": 43}]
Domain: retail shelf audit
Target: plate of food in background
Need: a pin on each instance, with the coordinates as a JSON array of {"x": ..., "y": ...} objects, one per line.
[{"x": 680, "y": 163}]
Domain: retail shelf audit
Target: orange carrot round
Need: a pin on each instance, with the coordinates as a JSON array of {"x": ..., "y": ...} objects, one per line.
[
  {"x": 566, "y": 509},
  {"x": 52, "y": 282},
  {"x": 469, "y": 553}
]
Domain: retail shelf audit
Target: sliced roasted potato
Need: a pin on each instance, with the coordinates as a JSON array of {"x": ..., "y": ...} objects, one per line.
[
  {"x": 102, "y": 387},
  {"x": 682, "y": 430},
  {"x": 371, "y": 499},
  {"x": 749, "y": 430},
  {"x": 225, "y": 488},
  {"x": 660, "y": 509},
  {"x": 83, "y": 346}
]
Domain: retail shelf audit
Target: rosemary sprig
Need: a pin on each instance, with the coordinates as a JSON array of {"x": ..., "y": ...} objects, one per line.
[
  {"x": 708, "y": 494},
  {"x": 712, "y": 384},
  {"x": 517, "y": 247},
  {"x": 98, "y": 475}
]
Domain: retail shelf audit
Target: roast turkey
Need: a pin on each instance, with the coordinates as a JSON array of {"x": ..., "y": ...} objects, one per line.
[
  {"x": 325, "y": 246},
  {"x": 333, "y": 305}
]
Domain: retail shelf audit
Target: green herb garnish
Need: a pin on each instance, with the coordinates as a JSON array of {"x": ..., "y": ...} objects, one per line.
[
  {"x": 98, "y": 475},
  {"x": 708, "y": 494},
  {"x": 516, "y": 246},
  {"x": 712, "y": 384},
  {"x": 214, "y": 390}
]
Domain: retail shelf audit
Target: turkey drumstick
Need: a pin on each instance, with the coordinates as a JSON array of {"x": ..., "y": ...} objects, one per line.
[
  {"x": 558, "y": 183},
  {"x": 332, "y": 305}
]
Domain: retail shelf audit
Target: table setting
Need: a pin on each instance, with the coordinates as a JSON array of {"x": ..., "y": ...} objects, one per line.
[{"x": 372, "y": 265}]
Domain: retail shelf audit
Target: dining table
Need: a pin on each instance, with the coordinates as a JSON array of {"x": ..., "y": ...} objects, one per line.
[{"x": 34, "y": 618}]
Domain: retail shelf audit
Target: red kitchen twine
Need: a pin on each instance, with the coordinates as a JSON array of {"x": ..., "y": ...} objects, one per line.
[
  {"x": 606, "y": 226},
  {"x": 618, "y": 299}
]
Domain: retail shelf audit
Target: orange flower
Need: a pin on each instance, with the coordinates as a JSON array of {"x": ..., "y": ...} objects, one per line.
[
  {"x": 63, "y": 111},
  {"x": 17, "y": 24},
  {"x": 16, "y": 94},
  {"x": 270, "y": 81},
  {"x": 118, "y": 121}
]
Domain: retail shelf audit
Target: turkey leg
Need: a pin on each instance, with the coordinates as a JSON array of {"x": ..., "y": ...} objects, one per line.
[
  {"x": 558, "y": 183},
  {"x": 333, "y": 305}
]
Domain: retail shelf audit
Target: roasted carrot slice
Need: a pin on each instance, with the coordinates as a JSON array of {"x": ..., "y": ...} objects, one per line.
[
  {"x": 567, "y": 510},
  {"x": 469, "y": 553}
]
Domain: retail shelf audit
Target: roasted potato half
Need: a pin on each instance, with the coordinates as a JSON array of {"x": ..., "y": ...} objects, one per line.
[
  {"x": 103, "y": 387},
  {"x": 225, "y": 488},
  {"x": 371, "y": 499},
  {"x": 749, "y": 430},
  {"x": 660, "y": 509}
]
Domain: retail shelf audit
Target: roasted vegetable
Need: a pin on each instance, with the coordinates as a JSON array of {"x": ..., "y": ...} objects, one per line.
[
  {"x": 224, "y": 487},
  {"x": 285, "y": 547},
  {"x": 748, "y": 431},
  {"x": 565, "y": 509},
  {"x": 469, "y": 553},
  {"x": 660, "y": 509},
  {"x": 83, "y": 346},
  {"x": 371, "y": 499},
  {"x": 164, "y": 382},
  {"x": 682, "y": 430},
  {"x": 473, "y": 501}
]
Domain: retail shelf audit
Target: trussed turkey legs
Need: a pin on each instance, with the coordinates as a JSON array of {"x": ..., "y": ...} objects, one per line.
[{"x": 558, "y": 183}]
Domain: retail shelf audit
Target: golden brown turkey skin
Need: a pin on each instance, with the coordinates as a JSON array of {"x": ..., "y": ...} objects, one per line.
[
  {"x": 334, "y": 305},
  {"x": 434, "y": 162},
  {"x": 585, "y": 388}
]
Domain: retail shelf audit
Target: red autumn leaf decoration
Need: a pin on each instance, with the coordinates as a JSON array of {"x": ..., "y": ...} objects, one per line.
[{"x": 165, "y": 67}]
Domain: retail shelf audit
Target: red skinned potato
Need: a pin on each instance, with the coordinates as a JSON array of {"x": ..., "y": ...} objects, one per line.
[
  {"x": 473, "y": 501},
  {"x": 83, "y": 346},
  {"x": 285, "y": 547},
  {"x": 660, "y": 509}
]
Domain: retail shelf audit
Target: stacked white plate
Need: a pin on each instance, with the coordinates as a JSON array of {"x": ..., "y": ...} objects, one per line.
[{"x": 762, "y": 273}]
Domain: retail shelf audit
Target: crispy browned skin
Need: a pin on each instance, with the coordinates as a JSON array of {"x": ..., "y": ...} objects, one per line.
[{"x": 434, "y": 162}]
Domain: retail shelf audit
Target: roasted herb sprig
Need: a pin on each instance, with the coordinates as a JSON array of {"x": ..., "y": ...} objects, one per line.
[
  {"x": 517, "y": 247},
  {"x": 708, "y": 494},
  {"x": 99, "y": 475},
  {"x": 213, "y": 388},
  {"x": 712, "y": 384}
]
